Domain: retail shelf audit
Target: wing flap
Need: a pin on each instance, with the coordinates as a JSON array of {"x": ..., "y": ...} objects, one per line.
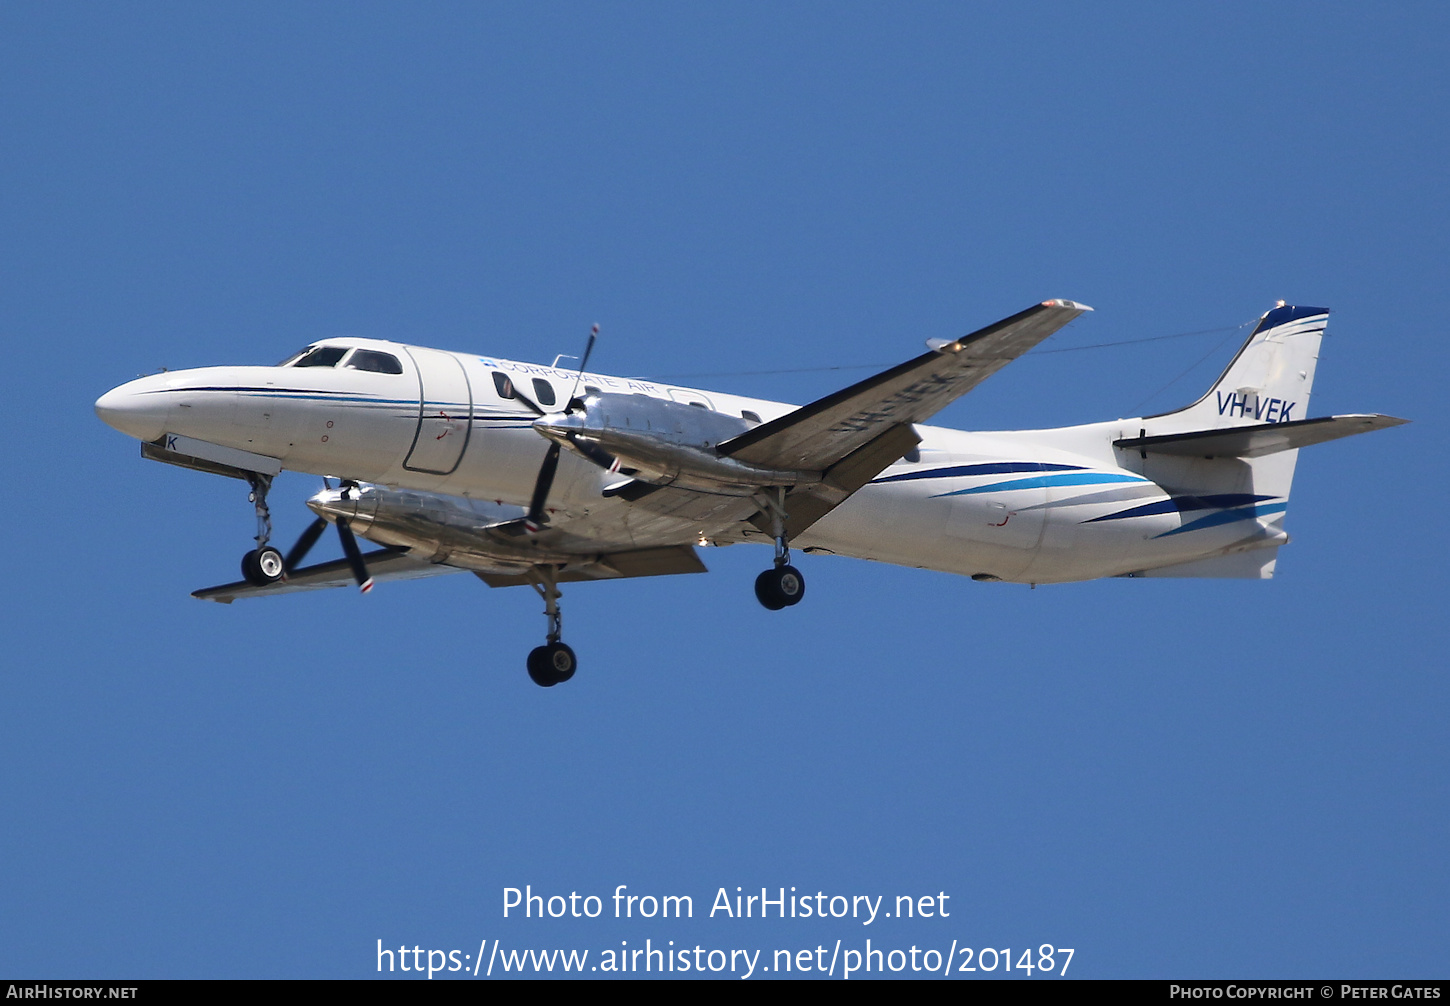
[
  {"x": 1257, "y": 441},
  {"x": 666, "y": 561},
  {"x": 807, "y": 505}
]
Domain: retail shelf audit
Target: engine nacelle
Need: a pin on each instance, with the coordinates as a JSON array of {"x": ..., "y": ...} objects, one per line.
[
  {"x": 664, "y": 443},
  {"x": 435, "y": 527}
]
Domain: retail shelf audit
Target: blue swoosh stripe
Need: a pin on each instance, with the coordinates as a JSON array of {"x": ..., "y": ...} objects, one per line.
[
  {"x": 1042, "y": 481},
  {"x": 994, "y": 468},
  {"x": 1227, "y": 517},
  {"x": 1183, "y": 504}
]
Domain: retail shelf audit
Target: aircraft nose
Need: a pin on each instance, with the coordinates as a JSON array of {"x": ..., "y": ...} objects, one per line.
[{"x": 136, "y": 409}]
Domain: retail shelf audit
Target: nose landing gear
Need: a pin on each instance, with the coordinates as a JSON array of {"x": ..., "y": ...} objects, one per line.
[
  {"x": 554, "y": 662},
  {"x": 263, "y": 565}
]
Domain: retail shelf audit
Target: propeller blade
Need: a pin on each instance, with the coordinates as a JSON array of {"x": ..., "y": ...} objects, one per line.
[
  {"x": 537, "y": 516},
  {"x": 532, "y": 405},
  {"x": 584, "y": 362},
  {"x": 304, "y": 544},
  {"x": 594, "y": 453},
  {"x": 354, "y": 556}
]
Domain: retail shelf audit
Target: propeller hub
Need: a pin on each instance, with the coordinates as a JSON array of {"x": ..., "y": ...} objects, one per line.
[
  {"x": 348, "y": 503},
  {"x": 560, "y": 427}
]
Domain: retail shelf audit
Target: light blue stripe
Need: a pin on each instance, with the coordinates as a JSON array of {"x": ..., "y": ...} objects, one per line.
[{"x": 1042, "y": 481}]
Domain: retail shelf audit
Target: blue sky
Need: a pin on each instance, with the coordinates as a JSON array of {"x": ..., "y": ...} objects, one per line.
[{"x": 1176, "y": 779}]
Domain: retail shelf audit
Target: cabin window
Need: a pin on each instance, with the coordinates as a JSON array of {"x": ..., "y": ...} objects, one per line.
[
  {"x": 322, "y": 356},
  {"x": 503, "y": 385},
  {"x": 543, "y": 392},
  {"x": 751, "y": 416},
  {"x": 377, "y": 363}
]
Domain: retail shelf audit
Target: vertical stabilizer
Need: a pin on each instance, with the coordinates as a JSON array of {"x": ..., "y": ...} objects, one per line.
[
  {"x": 1234, "y": 499},
  {"x": 1268, "y": 381}
]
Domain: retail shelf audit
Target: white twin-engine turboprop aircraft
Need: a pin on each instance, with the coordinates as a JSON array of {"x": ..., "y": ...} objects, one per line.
[{"x": 536, "y": 475}]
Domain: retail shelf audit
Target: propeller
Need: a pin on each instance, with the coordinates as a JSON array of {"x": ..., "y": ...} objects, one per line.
[
  {"x": 309, "y": 537},
  {"x": 538, "y": 516},
  {"x": 354, "y": 556}
]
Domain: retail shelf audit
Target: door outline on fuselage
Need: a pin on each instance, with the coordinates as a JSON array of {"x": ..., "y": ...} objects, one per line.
[{"x": 436, "y": 377}]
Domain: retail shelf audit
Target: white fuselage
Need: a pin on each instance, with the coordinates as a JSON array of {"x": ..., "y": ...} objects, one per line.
[{"x": 1029, "y": 506}]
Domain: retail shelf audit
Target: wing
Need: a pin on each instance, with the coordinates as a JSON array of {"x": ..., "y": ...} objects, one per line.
[
  {"x": 817, "y": 436},
  {"x": 383, "y": 564},
  {"x": 667, "y": 561},
  {"x": 397, "y": 564},
  {"x": 856, "y": 433}
]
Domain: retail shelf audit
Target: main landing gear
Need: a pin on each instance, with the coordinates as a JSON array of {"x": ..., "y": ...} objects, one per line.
[
  {"x": 783, "y": 585},
  {"x": 263, "y": 565},
  {"x": 554, "y": 662}
]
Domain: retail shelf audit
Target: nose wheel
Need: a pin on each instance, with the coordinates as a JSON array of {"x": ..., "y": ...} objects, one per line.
[{"x": 263, "y": 565}]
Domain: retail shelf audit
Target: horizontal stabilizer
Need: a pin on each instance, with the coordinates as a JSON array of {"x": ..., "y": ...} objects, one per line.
[
  {"x": 1257, "y": 441},
  {"x": 1253, "y": 565},
  {"x": 383, "y": 564}
]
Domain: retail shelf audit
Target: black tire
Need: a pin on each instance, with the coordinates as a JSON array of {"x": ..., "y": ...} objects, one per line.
[
  {"x": 263, "y": 566},
  {"x": 780, "y": 587},
  {"x": 552, "y": 664}
]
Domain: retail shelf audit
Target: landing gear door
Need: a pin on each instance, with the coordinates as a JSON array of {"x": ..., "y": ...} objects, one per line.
[{"x": 445, "y": 413}]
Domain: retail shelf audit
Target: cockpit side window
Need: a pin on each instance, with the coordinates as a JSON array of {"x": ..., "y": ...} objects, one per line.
[
  {"x": 322, "y": 356},
  {"x": 371, "y": 360}
]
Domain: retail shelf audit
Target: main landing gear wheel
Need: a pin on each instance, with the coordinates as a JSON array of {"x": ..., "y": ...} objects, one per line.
[
  {"x": 263, "y": 566},
  {"x": 780, "y": 587},
  {"x": 552, "y": 664}
]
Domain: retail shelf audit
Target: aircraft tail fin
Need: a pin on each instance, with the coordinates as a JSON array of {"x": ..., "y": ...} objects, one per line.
[
  {"x": 1269, "y": 379},
  {"x": 1232, "y": 453}
]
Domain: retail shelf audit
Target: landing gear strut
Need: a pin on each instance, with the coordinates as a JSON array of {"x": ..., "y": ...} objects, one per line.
[
  {"x": 782, "y": 585},
  {"x": 263, "y": 565},
  {"x": 554, "y": 662}
]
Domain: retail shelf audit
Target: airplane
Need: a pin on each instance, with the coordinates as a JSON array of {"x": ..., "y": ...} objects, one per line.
[{"x": 540, "y": 475}]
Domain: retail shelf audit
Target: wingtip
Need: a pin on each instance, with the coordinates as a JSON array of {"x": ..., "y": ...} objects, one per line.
[{"x": 1071, "y": 305}]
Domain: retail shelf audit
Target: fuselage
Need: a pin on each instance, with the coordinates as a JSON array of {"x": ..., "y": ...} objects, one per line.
[{"x": 1025, "y": 506}]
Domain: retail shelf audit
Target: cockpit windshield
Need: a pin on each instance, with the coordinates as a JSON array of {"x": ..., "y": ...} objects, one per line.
[
  {"x": 331, "y": 356},
  {"x": 322, "y": 356},
  {"x": 378, "y": 363}
]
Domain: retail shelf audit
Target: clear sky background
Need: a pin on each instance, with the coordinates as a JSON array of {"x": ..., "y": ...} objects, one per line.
[{"x": 1174, "y": 778}]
